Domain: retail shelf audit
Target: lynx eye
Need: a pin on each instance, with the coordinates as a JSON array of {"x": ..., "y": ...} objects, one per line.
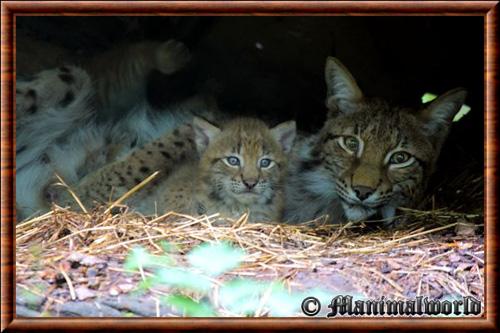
[
  {"x": 265, "y": 163},
  {"x": 401, "y": 157},
  {"x": 349, "y": 143},
  {"x": 233, "y": 160}
]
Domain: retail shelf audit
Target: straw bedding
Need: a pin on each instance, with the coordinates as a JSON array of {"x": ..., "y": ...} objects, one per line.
[{"x": 67, "y": 260}]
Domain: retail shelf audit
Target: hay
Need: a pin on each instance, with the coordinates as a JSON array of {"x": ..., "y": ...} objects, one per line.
[
  {"x": 437, "y": 253},
  {"x": 426, "y": 257}
]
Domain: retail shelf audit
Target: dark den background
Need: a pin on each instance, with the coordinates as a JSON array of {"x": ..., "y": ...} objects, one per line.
[{"x": 273, "y": 67}]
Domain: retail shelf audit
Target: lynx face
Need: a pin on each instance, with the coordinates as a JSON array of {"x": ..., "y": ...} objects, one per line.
[
  {"x": 379, "y": 158},
  {"x": 245, "y": 161},
  {"x": 371, "y": 157}
]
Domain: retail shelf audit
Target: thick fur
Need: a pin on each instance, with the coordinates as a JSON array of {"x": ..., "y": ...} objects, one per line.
[
  {"x": 55, "y": 133},
  {"x": 195, "y": 177},
  {"x": 370, "y": 157},
  {"x": 58, "y": 128},
  {"x": 120, "y": 74},
  {"x": 214, "y": 186},
  {"x": 115, "y": 179}
]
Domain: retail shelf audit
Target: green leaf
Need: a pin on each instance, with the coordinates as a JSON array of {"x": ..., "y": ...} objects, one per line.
[
  {"x": 281, "y": 303},
  {"x": 242, "y": 296},
  {"x": 164, "y": 260},
  {"x": 462, "y": 112},
  {"x": 138, "y": 257},
  {"x": 190, "y": 307},
  {"x": 145, "y": 285},
  {"x": 215, "y": 259},
  {"x": 168, "y": 247},
  {"x": 180, "y": 278},
  {"x": 428, "y": 97}
]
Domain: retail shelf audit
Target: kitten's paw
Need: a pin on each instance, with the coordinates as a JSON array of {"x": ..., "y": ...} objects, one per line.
[
  {"x": 53, "y": 88},
  {"x": 172, "y": 56}
]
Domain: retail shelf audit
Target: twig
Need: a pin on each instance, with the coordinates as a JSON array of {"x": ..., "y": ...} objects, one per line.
[
  {"x": 68, "y": 281},
  {"x": 73, "y": 194},
  {"x": 131, "y": 191}
]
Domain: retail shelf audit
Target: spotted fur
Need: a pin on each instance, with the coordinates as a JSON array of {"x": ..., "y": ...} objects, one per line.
[
  {"x": 370, "y": 157},
  {"x": 55, "y": 133},
  {"x": 59, "y": 128},
  {"x": 195, "y": 176},
  {"x": 116, "y": 178},
  {"x": 253, "y": 184}
]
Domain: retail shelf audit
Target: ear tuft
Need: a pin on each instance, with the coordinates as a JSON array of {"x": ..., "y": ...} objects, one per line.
[
  {"x": 284, "y": 134},
  {"x": 204, "y": 133},
  {"x": 342, "y": 89}
]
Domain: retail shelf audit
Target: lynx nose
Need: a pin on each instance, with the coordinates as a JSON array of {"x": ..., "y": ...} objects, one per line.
[
  {"x": 250, "y": 183},
  {"x": 363, "y": 192}
]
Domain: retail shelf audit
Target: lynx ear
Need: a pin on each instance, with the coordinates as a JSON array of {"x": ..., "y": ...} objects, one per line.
[
  {"x": 204, "y": 133},
  {"x": 342, "y": 89},
  {"x": 284, "y": 134},
  {"x": 438, "y": 115}
]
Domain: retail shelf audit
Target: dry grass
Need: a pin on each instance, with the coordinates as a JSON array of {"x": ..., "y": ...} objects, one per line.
[
  {"x": 400, "y": 263},
  {"x": 436, "y": 253}
]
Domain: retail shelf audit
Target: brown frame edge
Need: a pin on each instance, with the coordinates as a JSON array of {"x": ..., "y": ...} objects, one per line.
[{"x": 487, "y": 9}]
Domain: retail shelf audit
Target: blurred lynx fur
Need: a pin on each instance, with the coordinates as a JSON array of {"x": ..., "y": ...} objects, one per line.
[{"x": 57, "y": 117}]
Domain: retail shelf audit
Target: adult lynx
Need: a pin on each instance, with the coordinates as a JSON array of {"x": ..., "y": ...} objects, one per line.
[{"x": 370, "y": 157}]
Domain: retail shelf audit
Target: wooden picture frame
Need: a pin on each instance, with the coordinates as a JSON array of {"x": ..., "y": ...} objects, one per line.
[{"x": 10, "y": 9}]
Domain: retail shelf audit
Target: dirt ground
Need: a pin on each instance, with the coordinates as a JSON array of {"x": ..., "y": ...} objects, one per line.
[{"x": 71, "y": 264}]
